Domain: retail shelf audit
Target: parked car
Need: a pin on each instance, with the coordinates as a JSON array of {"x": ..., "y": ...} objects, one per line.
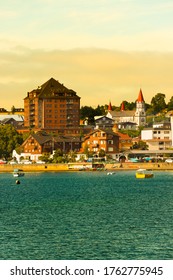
[
  {"x": 169, "y": 160},
  {"x": 13, "y": 162},
  {"x": 26, "y": 161},
  {"x": 40, "y": 162},
  {"x": 2, "y": 161}
]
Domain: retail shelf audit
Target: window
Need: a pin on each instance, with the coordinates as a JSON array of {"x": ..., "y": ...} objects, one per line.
[
  {"x": 110, "y": 149},
  {"x": 110, "y": 142}
]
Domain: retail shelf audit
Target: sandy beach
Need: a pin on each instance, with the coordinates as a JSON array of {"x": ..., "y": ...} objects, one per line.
[{"x": 65, "y": 167}]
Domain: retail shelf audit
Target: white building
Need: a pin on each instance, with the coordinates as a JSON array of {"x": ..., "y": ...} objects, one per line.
[
  {"x": 158, "y": 137},
  {"x": 134, "y": 117}
]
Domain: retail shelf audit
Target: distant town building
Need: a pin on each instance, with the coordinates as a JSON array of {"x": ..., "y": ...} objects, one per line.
[
  {"x": 37, "y": 144},
  {"x": 103, "y": 122},
  {"x": 3, "y": 110},
  {"x": 125, "y": 141},
  {"x": 102, "y": 139},
  {"x": 133, "y": 118},
  {"x": 52, "y": 107},
  {"x": 158, "y": 137}
]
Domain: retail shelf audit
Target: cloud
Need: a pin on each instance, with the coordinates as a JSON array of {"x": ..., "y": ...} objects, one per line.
[
  {"x": 97, "y": 75},
  {"x": 7, "y": 14}
]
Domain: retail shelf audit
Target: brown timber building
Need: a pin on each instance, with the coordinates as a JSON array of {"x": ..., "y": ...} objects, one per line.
[{"x": 53, "y": 108}]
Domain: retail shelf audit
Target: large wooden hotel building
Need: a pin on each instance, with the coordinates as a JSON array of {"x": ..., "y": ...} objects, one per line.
[{"x": 52, "y": 107}]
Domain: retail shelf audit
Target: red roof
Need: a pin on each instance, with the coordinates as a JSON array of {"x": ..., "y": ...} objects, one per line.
[
  {"x": 122, "y": 106},
  {"x": 123, "y": 136},
  {"x": 140, "y": 96},
  {"x": 110, "y": 107}
]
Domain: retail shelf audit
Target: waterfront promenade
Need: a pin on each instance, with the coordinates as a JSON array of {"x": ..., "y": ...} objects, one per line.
[{"x": 65, "y": 167}]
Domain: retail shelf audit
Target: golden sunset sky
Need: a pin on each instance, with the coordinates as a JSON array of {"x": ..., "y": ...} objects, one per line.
[{"x": 105, "y": 50}]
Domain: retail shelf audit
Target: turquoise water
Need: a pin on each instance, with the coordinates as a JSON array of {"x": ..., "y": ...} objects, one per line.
[{"x": 83, "y": 215}]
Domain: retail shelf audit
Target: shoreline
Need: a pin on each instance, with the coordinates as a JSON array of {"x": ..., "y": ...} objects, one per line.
[{"x": 65, "y": 167}]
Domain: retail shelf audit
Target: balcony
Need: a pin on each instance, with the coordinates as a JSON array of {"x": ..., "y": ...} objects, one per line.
[{"x": 95, "y": 145}]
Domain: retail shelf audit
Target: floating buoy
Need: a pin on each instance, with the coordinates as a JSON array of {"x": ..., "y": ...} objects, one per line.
[{"x": 17, "y": 182}]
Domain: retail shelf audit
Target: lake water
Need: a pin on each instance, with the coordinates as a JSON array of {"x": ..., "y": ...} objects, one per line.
[{"x": 86, "y": 215}]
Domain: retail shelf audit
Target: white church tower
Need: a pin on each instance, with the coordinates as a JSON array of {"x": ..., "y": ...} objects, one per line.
[{"x": 140, "y": 114}]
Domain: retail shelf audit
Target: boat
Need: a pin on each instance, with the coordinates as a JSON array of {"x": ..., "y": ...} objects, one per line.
[
  {"x": 144, "y": 173},
  {"x": 110, "y": 173},
  {"x": 18, "y": 173}
]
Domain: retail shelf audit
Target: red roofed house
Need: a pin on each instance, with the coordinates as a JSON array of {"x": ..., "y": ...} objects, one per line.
[
  {"x": 125, "y": 141},
  {"x": 101, "y": 139}
]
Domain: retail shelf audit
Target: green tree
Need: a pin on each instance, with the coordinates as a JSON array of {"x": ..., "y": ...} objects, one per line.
[
  {"x": 13, "y": 109},
  {"x": 100, "y": 111},
  {"x": 87, "y": 112},
  {"x": 141, "y": 145},
  {"x": 129, "y": 105},
  {"x": 87, "y": 152},
  {"x": 170, "y": 104},
  {"x": 131, "y": 132},
  {"x": 158, "y": 103},
  {"x": 102, "y": 153},
  {"x": 58, "y": 156},
  {"x": 10, "y": 139}
]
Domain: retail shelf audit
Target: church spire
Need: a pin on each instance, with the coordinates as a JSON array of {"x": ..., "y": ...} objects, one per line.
[
  {"x": 140, "y": 114},
  {"x": 122, "y": 106},
  {"x": 110, "y": 106},
  {"x": 140, "y": 96}
]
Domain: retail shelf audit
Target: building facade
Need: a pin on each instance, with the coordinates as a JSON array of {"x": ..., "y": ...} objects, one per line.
[
  {"x": 36, "y": 145},
  {"x": 52, "y": 107},
  {"x": 135, "y": 118},
  {"x": 158, "y": 137},
  {"x": 101, "y": 139}
]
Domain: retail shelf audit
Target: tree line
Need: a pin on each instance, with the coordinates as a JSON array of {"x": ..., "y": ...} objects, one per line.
[{"x": 157, "y": 105}]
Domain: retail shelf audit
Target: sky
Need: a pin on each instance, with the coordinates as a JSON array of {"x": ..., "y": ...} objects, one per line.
[{"x": 105, "y": 50}]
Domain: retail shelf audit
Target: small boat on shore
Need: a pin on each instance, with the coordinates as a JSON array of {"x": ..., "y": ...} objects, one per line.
[
  {"x": 144, "y": 173},
  {"x": 18, "y": 173}
]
